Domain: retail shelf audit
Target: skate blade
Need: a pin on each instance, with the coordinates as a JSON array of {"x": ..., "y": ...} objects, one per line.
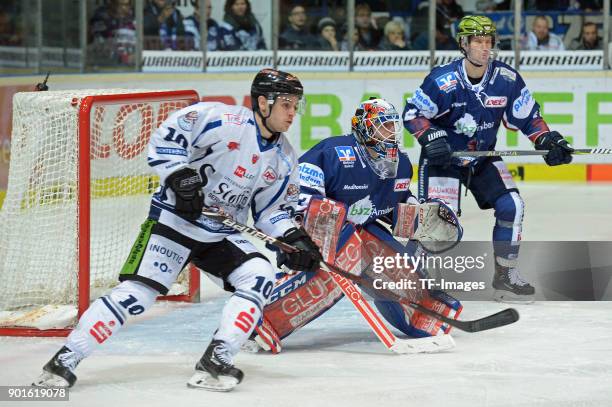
[
  {"x": 47, "y": 379},
  {"x": 512, "y": 298},
  {"x": 203, "y": 380}
]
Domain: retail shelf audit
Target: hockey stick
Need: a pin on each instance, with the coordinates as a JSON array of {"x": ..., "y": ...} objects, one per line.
[
  {"x": 516, "y": 153},
  {"x": 505, "y": 317}
]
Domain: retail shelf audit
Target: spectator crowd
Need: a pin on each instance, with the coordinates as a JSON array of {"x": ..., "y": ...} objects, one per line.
[{"x": 386, "y": 25}]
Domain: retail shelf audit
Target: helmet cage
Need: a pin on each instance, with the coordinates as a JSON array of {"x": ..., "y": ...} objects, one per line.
[{"x": 378, "y": 128}]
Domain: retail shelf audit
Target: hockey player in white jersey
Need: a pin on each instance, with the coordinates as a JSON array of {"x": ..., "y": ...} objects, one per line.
[{"x": 208, "y": 155}]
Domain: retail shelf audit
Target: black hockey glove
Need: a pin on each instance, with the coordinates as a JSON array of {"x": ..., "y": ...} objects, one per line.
[
  {"x": 307, "y": 257},
  {"x": 560, "y": 149},
  {"x": 187, "y": 186},
  {"x": 436, "y": 148}
]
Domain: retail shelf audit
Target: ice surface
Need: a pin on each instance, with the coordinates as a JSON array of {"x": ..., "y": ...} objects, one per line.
[{"x": 559, "y": 354}]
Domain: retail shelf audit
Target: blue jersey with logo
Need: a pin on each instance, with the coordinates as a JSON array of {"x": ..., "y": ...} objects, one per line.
[
  {"x": 472, "y": 114},
  {"x": 336, "y": 169}
]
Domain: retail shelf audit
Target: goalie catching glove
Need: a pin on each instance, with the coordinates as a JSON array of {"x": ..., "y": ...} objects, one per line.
[
  {"x": 560, "y": 150},
  {"x": 433, "y": 224},
  {"x": 187, "y": 187},
  {"x": 306, "y": 258}
]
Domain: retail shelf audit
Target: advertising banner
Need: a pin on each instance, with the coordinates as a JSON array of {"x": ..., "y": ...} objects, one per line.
[{"x": 579, "y": 105}]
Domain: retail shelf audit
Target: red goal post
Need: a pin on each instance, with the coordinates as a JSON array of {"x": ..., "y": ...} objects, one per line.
[{"x": 79, "y": 188}]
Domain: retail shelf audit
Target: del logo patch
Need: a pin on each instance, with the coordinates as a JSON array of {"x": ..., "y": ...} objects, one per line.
[
  {"x": 401, "y": 184},
  {"x": 345, "y": 153}
]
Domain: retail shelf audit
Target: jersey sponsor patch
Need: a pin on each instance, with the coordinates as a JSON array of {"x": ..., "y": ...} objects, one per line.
[
  {"x": 235, "y": 119},
  {"x": 508, "y": 74},
  {"x": 424, "y": 103},
  {"x": 233, "y": 145},
  {"x": 311, "y": 176},
  {"x": 187, "y": 120},
  {"x": 522, "y": 105},
  {"x": 345, "y": 153},
  {"x": 278, "y": 218},
  {"x": 355, "y": 187},
  {"x": 496, "y": 101},
  {"x": 444, "y": 188},
  {"x": 170, "y": 151},
  {"x": 447, "y": 82},
  {"x": 505, "y": 174},
  {"x": 401, "y": 184},
  {"x": 240, "y": 171},
  {"x": 466, "y": 125}
]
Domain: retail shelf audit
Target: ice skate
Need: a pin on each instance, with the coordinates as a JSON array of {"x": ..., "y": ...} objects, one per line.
[
  {"x": 59, "y": 371},
  {"x": 215, "y": 371},
  {"x": 510, "y": 286}
]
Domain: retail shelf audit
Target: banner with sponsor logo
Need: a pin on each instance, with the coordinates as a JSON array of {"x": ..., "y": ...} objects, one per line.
[
  {"x": 363, "y": 61},
  {"x": 579, "y": 105}
]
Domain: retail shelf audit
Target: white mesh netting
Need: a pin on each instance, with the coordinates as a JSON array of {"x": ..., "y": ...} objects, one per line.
[{"x": 39, "y": 217}]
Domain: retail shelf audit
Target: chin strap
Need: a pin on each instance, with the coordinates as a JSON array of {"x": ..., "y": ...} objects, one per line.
[
  {"x": 275, "y": 134},
  {"x": 472, "y": 62}
]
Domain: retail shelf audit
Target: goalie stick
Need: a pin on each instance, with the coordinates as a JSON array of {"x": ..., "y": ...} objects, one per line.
[
  {"x": 504, "y": 317},
  {"x": 516, "y": 153}
]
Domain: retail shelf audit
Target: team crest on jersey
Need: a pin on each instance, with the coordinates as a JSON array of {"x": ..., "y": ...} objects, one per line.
[
  {"x": 269, "y": 175},
  {"x": 401, "y": 184},
  {"x": 187, "y": 120},
  {"x": 447, "y": 82},
  {"x": 345, "y": 153},
  {"x": 254, "y": 158},
  {"x": 233, "y": 145},
  {"x": 292, "y": 192}
]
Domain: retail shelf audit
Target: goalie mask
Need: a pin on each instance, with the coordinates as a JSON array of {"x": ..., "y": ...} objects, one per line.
[{"x": 378, "y": 128}]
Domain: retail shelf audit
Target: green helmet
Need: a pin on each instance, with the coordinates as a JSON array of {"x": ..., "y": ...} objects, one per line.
[{"x": 475, "y": 25}]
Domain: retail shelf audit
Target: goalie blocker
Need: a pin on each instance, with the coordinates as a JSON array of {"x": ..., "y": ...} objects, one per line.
[{"x": 298, "y": 299}]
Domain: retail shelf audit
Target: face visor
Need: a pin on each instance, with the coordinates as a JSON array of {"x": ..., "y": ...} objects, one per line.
[{"x": 288, "y": 101}]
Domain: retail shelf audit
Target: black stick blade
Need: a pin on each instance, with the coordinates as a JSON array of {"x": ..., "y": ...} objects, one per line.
[{"x": 505, "y": 317}]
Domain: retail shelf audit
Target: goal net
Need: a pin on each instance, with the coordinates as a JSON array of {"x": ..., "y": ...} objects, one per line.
[{"x": 79, "y": 188}]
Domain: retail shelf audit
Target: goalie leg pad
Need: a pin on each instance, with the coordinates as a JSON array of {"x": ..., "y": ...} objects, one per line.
[
  {"x": 299, "y": 299},
  {"x": 416, "y": 324},
  {"x": 267, "y": 337}
]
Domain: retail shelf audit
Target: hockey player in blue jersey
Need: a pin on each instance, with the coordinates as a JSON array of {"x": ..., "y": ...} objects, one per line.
[
  {"x": 366, "y": 172},
  {"x": 459, "y": 107},
  {"x": 207, "y": 155}
]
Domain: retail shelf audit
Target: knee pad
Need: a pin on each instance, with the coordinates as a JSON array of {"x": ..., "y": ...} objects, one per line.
[
  {"x": 509, "y": 209},
  {"x": 132, "y": 297},
  {"x": 108, "y": 314},
  {"x": 253, "y": 281}
]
